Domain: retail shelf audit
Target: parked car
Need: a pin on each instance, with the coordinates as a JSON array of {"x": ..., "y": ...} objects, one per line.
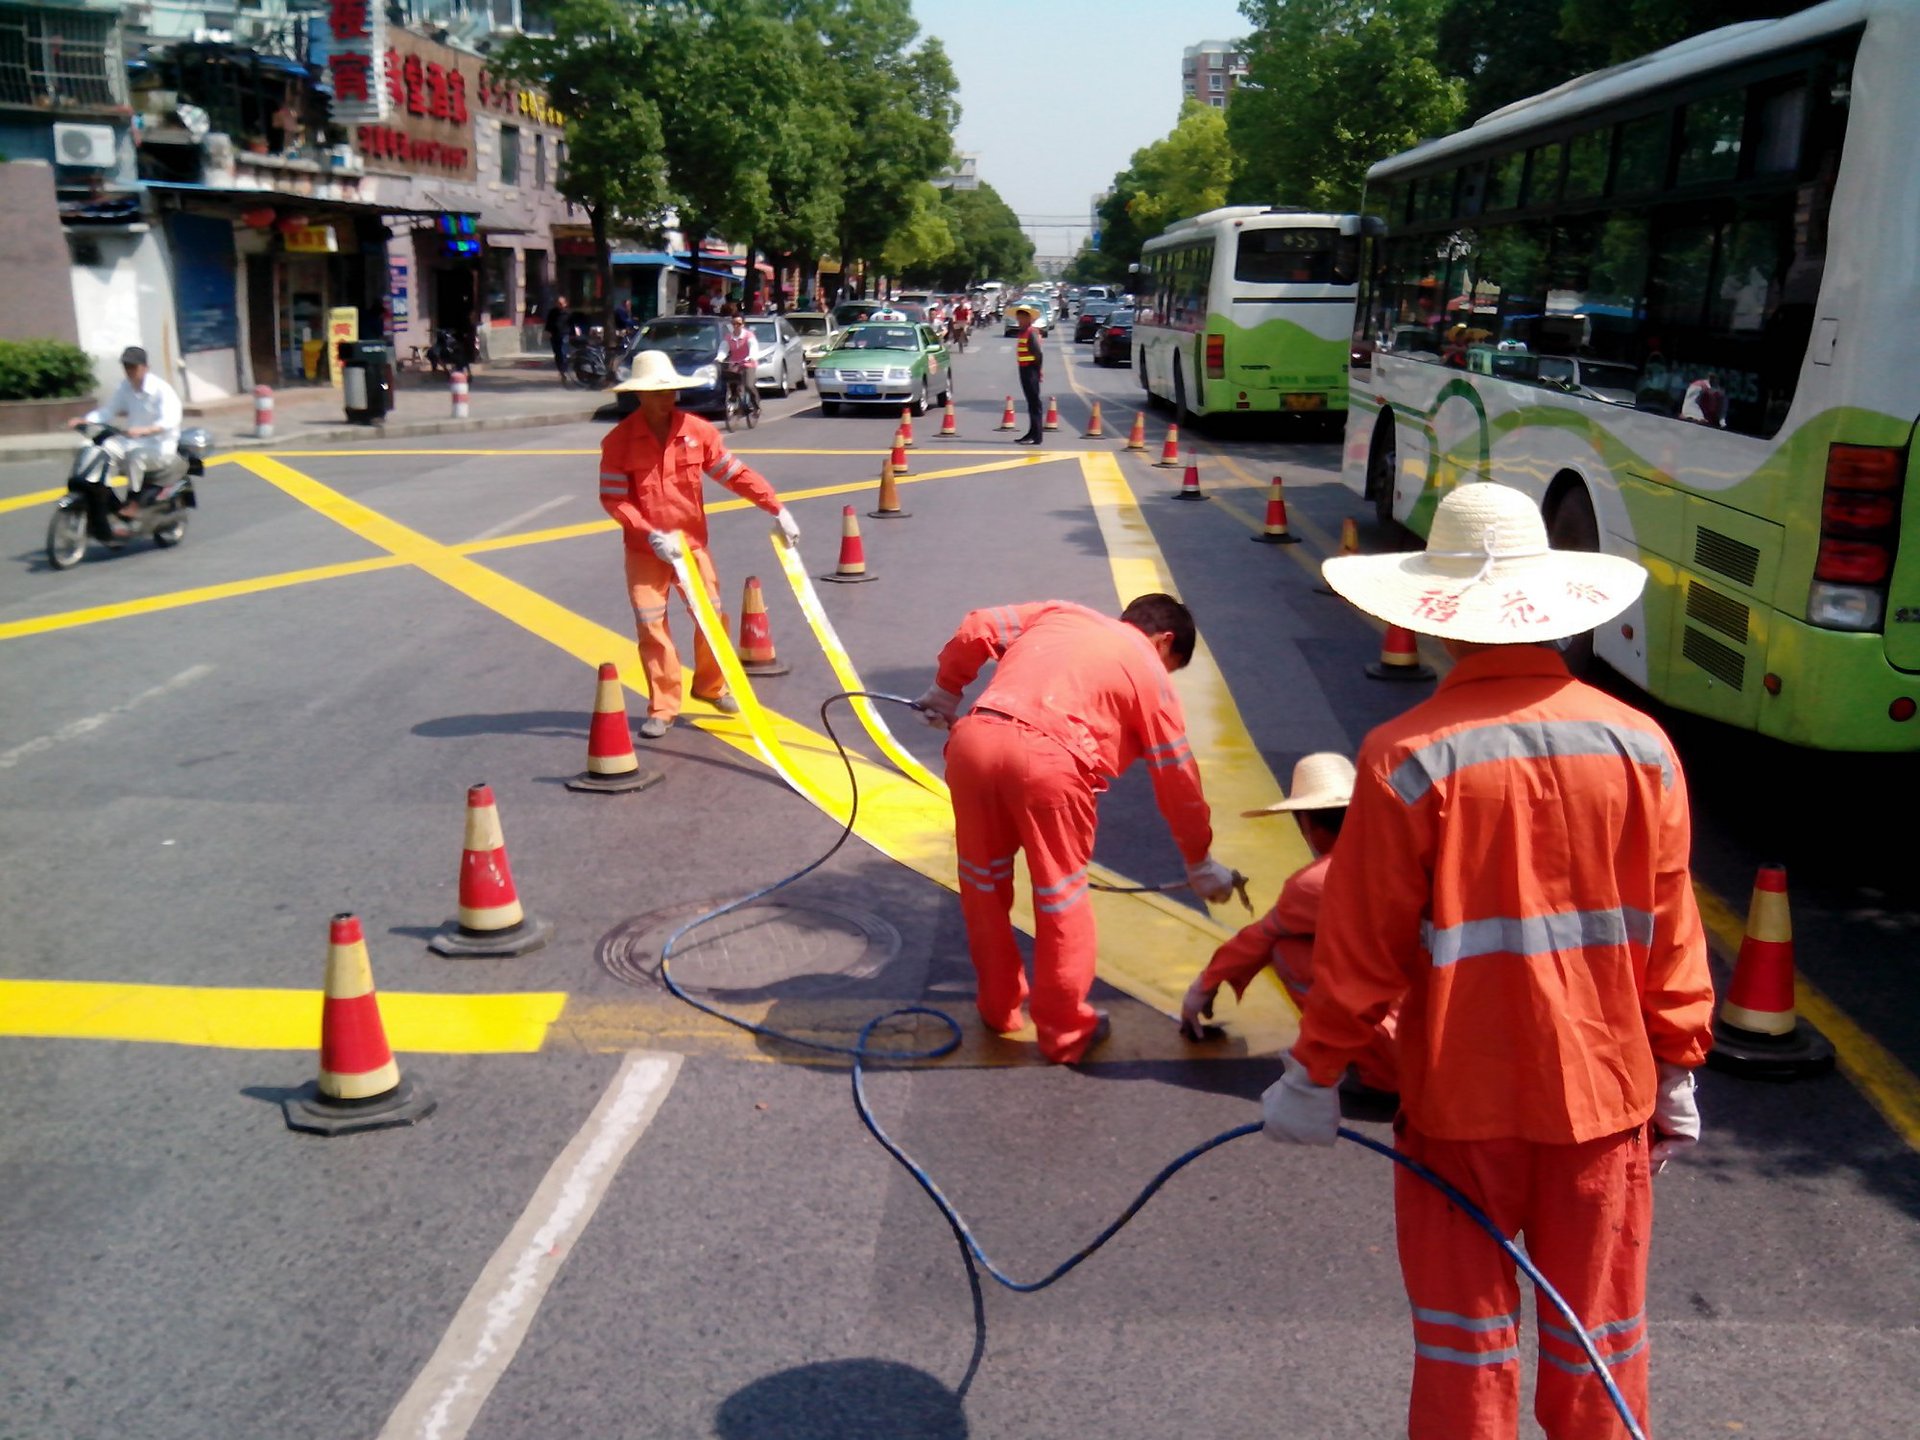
[
  {"x": 695, "y": 344},
  {"x": 1114, "y": 344},
  {"x": 1607, "y": 380},
  {"x": 816, "y": 330},
  {"x": 887, "y": 364},
  {"x": 1092, "y": 312},
  {"x": 780, "y": 361}
]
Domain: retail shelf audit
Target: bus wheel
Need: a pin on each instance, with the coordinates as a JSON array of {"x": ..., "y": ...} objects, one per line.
[
  {"x": 1181, "y": 414},
  {"x": 1571, "y": 526},
  {"x": 1383, "y": 464}
]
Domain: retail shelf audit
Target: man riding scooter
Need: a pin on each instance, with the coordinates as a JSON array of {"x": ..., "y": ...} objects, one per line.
[{"x": 152, "y": 413}]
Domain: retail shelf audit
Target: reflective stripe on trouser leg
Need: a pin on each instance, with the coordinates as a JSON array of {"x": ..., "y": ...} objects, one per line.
[
  {"x": 985, "y": 838},
  {"x": 1055, "y": 818},
  {"x": 1588, "y": 1231},
  {"x": 707, "y": 679}
]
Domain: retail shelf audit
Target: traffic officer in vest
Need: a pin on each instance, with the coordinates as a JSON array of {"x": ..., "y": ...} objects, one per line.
[
  {"x": 1028, "y": 354},
  {"x": 1076, "y": 697},
  {"x": 1513, "y": 871},
  {"x": 652, "y": 467}
]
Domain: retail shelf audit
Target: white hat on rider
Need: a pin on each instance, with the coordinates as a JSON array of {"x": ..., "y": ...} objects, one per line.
[{"x": 652, "y": 370}]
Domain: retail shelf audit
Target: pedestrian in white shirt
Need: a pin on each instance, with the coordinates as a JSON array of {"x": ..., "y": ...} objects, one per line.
[{"x": 147, "y": 410}]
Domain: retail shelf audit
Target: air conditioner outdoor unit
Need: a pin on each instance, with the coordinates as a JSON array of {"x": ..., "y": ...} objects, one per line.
[{"x": 91, "y": 145}]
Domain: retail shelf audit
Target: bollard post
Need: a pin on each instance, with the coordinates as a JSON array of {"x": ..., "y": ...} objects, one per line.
[
  {"x": 459, "y": 379},
  {"x": 263, "y": 412}
]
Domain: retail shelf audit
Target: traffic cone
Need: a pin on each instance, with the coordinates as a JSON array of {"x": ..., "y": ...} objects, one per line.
[
  {"x": 1190, "y": 483},
  {"x": 360, "y": 1086},
  {"x": 757, "y": 655},
  {"x": 1007, "y": 422},
  {"x": 889, "y": 496},
  {"x": 906, "y": 426},
  {"x": 899, "y": 457},
  {"x": 949, "y": 423},
  {"x": 1137, "y": 437},
  {"x": 852, "y": 568},
  {"x": 1349, "y": 545},
  {"x": 490, "y": 921},
  {"x": 1757, "y": 1034},
  {"x": 1399, "y": 657},
  {"x": 1275, "y": 531},
  {"x": 1170, "y": 450},
  {"x": 1093, "y": 430},
  {"x": 612, "y": 767},
  {"x": 1052, "y": 422}
]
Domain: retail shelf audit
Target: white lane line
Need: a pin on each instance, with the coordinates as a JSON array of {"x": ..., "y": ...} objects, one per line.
[
  {"x": 87, "y": 724},
  {"x": 518, "y": 522},
  {"x": 447, "y": 1395}
]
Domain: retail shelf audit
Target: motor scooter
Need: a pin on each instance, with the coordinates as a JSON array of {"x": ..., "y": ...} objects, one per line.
[{"x": 89, "y": 510}]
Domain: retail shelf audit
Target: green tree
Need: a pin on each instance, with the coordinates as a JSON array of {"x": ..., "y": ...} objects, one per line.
[
  {"x": 1506, "y": 50},
  {"x": 921, "y": 238},
  {"x": 1333, "y": 86},
  {"x": 1186, "y": 173},
  {"x": 1620, "y": 30},
  {"x": 592, "y": 67},
  {"x": 987, "y": 242}
]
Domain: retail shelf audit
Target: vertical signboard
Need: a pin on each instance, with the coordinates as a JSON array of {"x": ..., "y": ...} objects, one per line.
[
  {"x": 351, "y": 42},
  {"x": 343, "y": 327}
]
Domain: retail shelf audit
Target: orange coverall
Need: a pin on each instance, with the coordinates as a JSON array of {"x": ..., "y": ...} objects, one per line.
[
  {"x": 1283, "y": 938},
  {"x": 648, "y": 486},
  {"x": 1515, "y": 865},
  {"x": 1077, "y": 698}
]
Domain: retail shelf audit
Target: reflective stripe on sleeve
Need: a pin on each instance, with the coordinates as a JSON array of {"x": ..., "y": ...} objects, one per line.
[
  {"x": 1433, "y": 762},
  {"x": 1536, "y": 934},
  {"x": 725, "y": 468},
  {"x": 1174, "y": 752}
]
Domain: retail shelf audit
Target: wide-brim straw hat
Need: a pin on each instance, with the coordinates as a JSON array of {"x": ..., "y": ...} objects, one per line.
[
  {"x": 1019, "y": 310},
  {"x": 1488, "y": 576},
  {"x": 1321, "y": 781},
  {"x": 652, "y": 370}
]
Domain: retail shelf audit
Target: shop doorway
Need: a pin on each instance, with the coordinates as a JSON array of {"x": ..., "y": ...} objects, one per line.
[{"x": 262, "y": 345}]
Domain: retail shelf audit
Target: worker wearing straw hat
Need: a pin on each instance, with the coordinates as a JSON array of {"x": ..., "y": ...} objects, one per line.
[
  {"x": 653, "y": 465},
  {"x": 1031, "y": 359},
  {"x": 1513, "y": 872},
  {"x": 1283, "y": 937}
]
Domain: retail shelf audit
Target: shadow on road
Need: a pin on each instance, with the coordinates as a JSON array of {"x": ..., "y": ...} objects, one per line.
[{"x": 843, "y": 1400}]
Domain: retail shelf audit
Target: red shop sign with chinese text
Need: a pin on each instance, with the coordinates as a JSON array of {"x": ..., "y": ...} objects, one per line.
[{"x": 427, "y": 91}]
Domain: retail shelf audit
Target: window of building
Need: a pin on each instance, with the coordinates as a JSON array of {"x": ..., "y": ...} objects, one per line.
[
  {"x": 49, "y": 59},
  {"x": 539, "y": 162},
  {"x": 499, "y": 282},
  {"x": 509, "y": 154},
  {"x": 1216, "y": 81},
  {"x": 1219, "y": 102},
  {"x": 534, "y": 288}
]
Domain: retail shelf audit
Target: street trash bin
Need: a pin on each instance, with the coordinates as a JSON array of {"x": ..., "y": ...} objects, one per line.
[{"x": 368, "y": 380}]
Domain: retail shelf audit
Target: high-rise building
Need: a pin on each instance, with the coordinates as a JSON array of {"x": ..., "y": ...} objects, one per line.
[{"x": 1211, "y": 71}]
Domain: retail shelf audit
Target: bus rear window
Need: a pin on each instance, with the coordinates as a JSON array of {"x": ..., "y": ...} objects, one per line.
[{"x": 1294, "y": 257}]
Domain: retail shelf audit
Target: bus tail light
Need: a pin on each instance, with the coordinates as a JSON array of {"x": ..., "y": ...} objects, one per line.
[
  {"x": 1216, "y": 357},
  {"x": 1859, "y": 532}
]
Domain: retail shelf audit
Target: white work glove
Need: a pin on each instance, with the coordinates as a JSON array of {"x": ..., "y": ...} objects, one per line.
[
  {"x": 1196, "y": 1008},
  {"x": 1299, "y": 1112},
  {"x": 1676, "y": 1116},
  {"x": 1211, "y": 880},
  {"x": 785, "y": 524},
  {"x": 939, "y": 708},
  {"x": 666, "y": 546}
]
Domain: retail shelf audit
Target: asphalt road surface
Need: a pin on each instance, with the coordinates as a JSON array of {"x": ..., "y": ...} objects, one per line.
[{"x": 624, "y": 1219}]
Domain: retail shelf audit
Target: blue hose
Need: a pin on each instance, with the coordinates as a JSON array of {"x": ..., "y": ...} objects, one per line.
[{"x": 976, "y": 1258}]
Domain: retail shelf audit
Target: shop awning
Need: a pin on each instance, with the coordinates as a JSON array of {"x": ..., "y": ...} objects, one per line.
[
  {"x": 273, "y": 197},
  {"x": 646, "y": 257}
]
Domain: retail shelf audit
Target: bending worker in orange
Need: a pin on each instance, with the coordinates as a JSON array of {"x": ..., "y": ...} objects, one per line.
[
  {"x": 1514, "y": 871},
  {"x": 1283, "y": 937},
  {"x": 1076, "y": 699},
  {"x": 653, "y": 465}
]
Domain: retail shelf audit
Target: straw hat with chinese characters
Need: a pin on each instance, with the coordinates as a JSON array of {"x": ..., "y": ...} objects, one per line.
[
  {"x": 1488, "y": 576},
  {"x": 1321, "y": 781},
  {"x": 652, "y": 370}
]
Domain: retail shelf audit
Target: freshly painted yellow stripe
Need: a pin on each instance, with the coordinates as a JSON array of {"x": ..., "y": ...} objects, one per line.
[
  {"x": 235, "y": 1019},
  {"x": 1889, "y": 1086},
  {"x": 28, "y": 501},
  {"x": 199, "y": 595}
]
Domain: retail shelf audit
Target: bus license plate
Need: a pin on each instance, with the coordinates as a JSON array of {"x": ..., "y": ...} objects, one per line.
[
  {"x": 1306, "y": 402},
  {"x": 863, "y": 389}
]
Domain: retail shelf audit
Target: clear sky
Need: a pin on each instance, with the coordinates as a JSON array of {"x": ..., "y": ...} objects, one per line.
[{"x": 1056, "y": 95}]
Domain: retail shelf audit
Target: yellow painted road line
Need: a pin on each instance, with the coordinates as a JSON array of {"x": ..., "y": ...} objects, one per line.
[
  {"x": 199, "y": 595},
  {"x": 32, "y": 498},
  {"x": 235, "y": 1019}
]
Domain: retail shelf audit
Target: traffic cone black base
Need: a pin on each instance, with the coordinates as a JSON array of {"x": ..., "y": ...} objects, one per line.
[
  {"x": 1379, "y": 670},
  {"x": 589, "y": 783},
  {"x": 1798, "y": 1055},
  {"x": 316, "y": 1114},
  {"x": 1288, "y": 539},
  {"x": 529, "y": 935},
  {"x": 766, "y": 667}
]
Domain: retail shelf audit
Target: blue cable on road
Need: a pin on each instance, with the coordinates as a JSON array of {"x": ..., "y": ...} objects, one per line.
[{"x": 862, "y": 1051}]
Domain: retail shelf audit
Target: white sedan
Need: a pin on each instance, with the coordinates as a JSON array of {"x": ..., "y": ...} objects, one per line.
[{"x": 779, "y": 356}]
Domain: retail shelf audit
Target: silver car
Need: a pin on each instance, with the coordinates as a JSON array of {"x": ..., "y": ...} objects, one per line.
[
  {"x": 779, "y": 357},
  {"x": 816, "y": 331}
]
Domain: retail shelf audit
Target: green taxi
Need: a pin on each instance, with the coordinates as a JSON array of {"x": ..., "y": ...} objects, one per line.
[{"x": 884, "y": 363}]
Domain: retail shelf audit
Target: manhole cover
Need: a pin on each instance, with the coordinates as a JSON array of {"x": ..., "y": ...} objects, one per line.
[{"x": 769, "y": 950}]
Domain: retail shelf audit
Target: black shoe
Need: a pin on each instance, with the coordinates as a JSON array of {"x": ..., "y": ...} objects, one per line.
[{"x": 1028, "y": 440}]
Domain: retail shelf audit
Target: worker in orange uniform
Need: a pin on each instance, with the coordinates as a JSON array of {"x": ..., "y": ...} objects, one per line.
[
  {"x": 1514, "y": 872},
  {"x": 1283, "y": 937},
  {"x": 1077, "y": 697},
  {"x": 1031, "y": 360},
  {"x": 652, "y": 467}
]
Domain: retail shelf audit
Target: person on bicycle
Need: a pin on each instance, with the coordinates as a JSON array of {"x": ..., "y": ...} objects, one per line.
[{"x": 739, "y": 363}]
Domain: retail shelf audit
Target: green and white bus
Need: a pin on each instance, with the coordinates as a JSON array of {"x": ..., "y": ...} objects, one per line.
[
  {"x": 1248, "y": 309},
  {"x": 1678, "y": 302}
]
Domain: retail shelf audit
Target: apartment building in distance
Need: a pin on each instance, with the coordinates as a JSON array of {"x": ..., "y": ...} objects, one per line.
[{"x": 1211, "y": 71}]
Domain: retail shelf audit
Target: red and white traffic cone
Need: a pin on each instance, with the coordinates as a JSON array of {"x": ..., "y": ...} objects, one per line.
[
  {"x": 1758, "y": 1033},
  {"x": 457, "y": 384},
  {"x": 1190, "y": 483},
  {"x": 491, "y": 921},
  {"x": 757, "y": 656},
  {"x": 1275, "y": 531},
  {"x": 1169, "y": 450},
  {"x": 889, "y": 505},
  {"x": 360, "y": 1086},
  {"x": 906, "y": 427},
  {"x": 612, "y": 767},
  {"x": 1093, "y": 430},
  {"x": 1052, "y": 422},
  {"x": 899, "y": 456},
  {"x": 852, "y": 569},
  {"x": 1007, "y": 422},
  {"x": 1137, "y": 437},
  {"x": 949, "y": 423},
  {"x": 1399, "y": 657},
  {"x": 263, "y": 412}
]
